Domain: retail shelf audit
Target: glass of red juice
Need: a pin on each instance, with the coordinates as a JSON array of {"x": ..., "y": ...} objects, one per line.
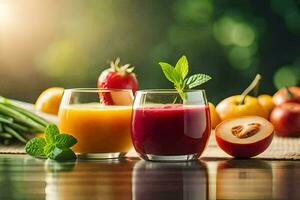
[{"x": 167, "y": 128}]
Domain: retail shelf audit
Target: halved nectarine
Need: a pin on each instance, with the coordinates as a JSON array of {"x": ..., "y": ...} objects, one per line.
[{"x": 244, "y": 137}]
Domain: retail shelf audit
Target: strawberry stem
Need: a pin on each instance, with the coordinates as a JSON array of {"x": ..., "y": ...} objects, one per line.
[
  {"x": 115, "y": 66},
  {"x": 253, "y": 86}
]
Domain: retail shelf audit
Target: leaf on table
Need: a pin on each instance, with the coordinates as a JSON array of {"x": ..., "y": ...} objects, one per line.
[
  {"x": 62, "y": 154},
  {"x": 51, "y": 132},
  {"x": 64, "y": 140},
  {"x": 35, "y": 147}
]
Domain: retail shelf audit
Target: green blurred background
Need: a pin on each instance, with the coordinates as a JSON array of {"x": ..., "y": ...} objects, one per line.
[{"x": 69, "y": 42}]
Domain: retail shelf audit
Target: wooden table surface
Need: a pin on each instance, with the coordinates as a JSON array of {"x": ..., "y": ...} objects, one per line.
[{"x": 24, "y": 177}]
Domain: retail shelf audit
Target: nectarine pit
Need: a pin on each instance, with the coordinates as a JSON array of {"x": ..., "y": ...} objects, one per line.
[{"x": 245, "y": 131}]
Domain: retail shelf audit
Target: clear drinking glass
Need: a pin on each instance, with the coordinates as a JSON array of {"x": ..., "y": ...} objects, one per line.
[
  {"x": 100, "y": 120},
  {"x": 165, "y": 128}
]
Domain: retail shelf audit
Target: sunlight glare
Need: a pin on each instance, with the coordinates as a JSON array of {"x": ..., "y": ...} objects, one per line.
[{"x": 5, "y": 14}]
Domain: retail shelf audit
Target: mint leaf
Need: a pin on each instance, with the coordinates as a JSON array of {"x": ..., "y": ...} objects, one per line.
[
  {"x": 48, "y": 149},
  {"x": 62, "y": 154},
  {"x": 65, "y": 140},
  {"x": 178, "y": 76},
  {"x": 182, "y": 67},
  {"x": 168, "y": 71},
  {"x": 51, "y": 132},
  {"x": 54, "y": 146},
  {"x": 196, "y": 80},
  {"x": 35, "y": 147}
]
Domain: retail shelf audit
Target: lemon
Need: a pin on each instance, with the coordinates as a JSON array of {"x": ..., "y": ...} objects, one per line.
[{"x": 49, "y": 100}]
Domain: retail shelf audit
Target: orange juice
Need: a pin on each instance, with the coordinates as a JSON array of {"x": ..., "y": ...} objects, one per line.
[{"x": 98, "y": 128}]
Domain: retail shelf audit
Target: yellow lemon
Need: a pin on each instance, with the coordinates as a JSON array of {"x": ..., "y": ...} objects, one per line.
[{"x": 49, "y": 100}]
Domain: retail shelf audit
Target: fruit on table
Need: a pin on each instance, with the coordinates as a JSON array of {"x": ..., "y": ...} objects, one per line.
[
  {"x": 242, "y": 105},
  {"x": 286, "y": 120},
  {"x": 287, "y": 94},
  {"x": 214, "y": 116},
  {"x": 266, "y": 102},
  {"x": 117, "y": 77},
  {"x": 244, "y": 137},
  {"x": 231, "y": 107},
  {"x": 49, "y": 100}
]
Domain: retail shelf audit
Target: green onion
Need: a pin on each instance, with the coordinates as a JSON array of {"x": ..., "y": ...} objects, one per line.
[
  {"x": 15, "y": 134},
  {"x": 6, "y": 119},
  {"x": 19, "y": 117}
]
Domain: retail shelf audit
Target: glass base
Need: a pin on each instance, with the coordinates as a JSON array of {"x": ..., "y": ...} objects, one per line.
[
  {"x": 100, "y": 156},
  {"x": 179, "y": 158}
]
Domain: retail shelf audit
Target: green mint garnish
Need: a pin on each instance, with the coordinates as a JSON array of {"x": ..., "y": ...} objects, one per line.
[
  {"x": 65, "y": 141},
  {"x": 178, "y": 76},
  {"x": 35, "y": 147},
  {"x": 62, "y": 154},
  {"x": 51, "y": 132},
  {"x": 55, "y": 145}
]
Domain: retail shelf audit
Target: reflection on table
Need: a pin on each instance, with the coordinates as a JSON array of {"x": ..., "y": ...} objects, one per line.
[
  {"x": 251, "y": 179},
  {"x": 186, "y": 181},
  {"x": 109, "y": 179},
  {"x": 23, "y": 177}
]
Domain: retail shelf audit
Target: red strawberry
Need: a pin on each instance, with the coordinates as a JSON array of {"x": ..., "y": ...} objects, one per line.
[{"x": 117, "y": 77}]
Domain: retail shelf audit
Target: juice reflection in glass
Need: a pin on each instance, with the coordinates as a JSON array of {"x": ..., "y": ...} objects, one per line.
[{"x": 99, "y": 119}]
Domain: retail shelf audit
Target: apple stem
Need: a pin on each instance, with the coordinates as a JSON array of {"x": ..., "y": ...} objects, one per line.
[
  {"x": 289, "y": 93},
  {"x": 252, "y": 87}
]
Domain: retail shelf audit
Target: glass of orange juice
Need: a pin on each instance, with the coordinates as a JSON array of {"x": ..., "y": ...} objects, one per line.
[{"x": 100, "y": 120}]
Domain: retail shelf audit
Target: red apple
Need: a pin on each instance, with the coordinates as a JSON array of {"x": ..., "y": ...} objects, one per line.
[
  {"x": 287, "y": 94},
  {"x": 244, "y": 137},
  {"x": 286, "y": 120}
]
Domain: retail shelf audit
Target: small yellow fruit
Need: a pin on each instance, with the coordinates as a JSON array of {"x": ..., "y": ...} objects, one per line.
[
  {"x": 230, "y": 108},
  {"x": 266, "y": 101},
  {"x": 214, "y": 117},
  {"x": 49, "y": 100}
]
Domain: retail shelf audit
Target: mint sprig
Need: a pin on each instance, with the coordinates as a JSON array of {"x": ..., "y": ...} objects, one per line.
[
  {"x": 178, "y": 76},
  {"x": 55, "y": 145}
]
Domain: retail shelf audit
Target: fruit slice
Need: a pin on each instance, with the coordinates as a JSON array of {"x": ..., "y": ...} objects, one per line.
[
  {"x": 116, "y": 97},
  {"x": 244, "y": 137},
  {"x": 49, "y": 100},
  {"x": 122, "y": 98}
]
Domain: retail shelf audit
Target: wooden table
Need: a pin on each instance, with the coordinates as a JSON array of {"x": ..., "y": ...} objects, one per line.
[{"x": 24, "y": 177}]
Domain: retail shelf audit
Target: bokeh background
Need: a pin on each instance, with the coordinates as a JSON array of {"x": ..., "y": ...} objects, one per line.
[{"x": 69, "y": 42}]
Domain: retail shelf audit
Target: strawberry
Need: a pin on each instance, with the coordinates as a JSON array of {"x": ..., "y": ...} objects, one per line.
[{"x": 117, "y": 77}]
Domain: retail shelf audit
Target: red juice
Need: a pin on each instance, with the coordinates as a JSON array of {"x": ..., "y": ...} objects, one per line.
[{"x": 170, "y": 129}]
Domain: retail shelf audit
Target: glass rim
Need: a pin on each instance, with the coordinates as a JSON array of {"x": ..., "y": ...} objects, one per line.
[
  {"x": 86, "y": 90},
  {"x": 170, "y": 91}
]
